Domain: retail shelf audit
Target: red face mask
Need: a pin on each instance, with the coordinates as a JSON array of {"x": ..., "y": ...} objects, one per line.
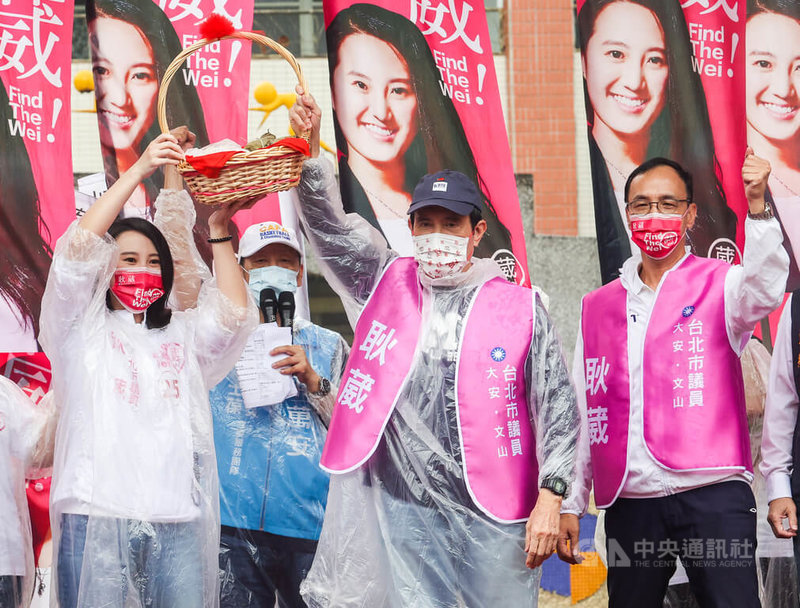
[
  {"x": 137, "y": 288},
  {"x": 657, "y": 234}
]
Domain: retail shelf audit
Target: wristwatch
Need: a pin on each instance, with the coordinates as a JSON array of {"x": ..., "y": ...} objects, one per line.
[
  {"x": 763, "y": 215},
  {"x": 556, "y": 485},
  {"x": 324, "y": 388}
]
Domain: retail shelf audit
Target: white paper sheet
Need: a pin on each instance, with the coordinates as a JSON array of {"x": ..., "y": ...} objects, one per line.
[{"x": 260, "y": 384}]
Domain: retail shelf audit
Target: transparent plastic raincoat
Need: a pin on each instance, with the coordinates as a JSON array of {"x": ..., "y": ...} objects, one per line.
[
  {"x": 134, "y": 503},
  {"x": 21, "y": 428},
  {"x": 402, "y": 529}
]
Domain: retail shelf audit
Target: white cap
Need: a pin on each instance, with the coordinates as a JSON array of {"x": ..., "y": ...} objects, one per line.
[{"x": 258, "y": 236}]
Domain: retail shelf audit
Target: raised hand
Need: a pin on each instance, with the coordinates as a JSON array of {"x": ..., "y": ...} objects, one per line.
[
  {"x": 755, "y": 174},
  {"x": 163, "y": 150},
  {"x": 305, "y": 116}
]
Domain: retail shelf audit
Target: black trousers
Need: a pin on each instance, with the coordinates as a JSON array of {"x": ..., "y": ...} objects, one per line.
[{"x": 712, "y": 529}]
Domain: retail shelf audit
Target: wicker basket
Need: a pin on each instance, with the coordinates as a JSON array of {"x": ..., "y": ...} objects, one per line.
[{"x": 246, "y": 174}]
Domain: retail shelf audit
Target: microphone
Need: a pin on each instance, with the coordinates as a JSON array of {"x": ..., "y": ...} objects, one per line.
[
  {"x": 268, "y": 303},
  {"x": 286, "y": 306}
]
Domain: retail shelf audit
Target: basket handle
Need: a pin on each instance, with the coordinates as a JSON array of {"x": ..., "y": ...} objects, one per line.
[{"x": 173, "y": 68}]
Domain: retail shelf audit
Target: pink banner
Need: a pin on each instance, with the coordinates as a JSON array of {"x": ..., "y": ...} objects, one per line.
[
  {"x": 36, "y": 202},
  {"x": 220, "y": 72},
  {"x": 30, "y": 371},
  {"x": 716, "y": 31},
  {"x": 414, "y": 92},
  {"x": 772, "y": 101},
  {"x": 665, "y": 78},
  {"x": 132, "y": 45}
]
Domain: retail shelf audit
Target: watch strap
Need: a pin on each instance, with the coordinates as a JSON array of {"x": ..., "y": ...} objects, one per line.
[
  {"x": 324, "y": 388},
  {"x": 556, "y": 485},
  {"x": 763, "y": 215}
]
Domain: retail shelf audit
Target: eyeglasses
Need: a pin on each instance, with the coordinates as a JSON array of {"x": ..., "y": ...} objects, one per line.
[{"x": 668, "y": 205}]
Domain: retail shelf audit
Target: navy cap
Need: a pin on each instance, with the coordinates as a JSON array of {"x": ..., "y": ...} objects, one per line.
[{"x": 449, "y": 189}]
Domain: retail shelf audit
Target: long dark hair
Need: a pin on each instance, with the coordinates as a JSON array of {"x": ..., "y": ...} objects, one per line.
[
  {"x": 441, "y": 142},
  {"x": 788, "y": 8},
  {"x": 684, "y": 136},
  {"x": 158, "y": 315},
  {"x": 183, "y": 102},
  {"x": 24, "y": 255}
]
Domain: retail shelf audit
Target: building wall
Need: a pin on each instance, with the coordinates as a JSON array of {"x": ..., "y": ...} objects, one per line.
[{"x": 541, "y": 92}]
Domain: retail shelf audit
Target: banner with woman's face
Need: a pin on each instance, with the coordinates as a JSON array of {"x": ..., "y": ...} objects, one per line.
[
  {"x": 132, "y": 44},
  {"x": 772, "y": 99},
  {"x": 414, "y": 92},
  {"x": 666, "y": 78},
  {"x": 36, "y": 203}
]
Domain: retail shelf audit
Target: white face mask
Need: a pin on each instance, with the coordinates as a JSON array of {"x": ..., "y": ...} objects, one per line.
[
  {"x": 272, "y": 277},
  {"x": 440, "y": 255}
]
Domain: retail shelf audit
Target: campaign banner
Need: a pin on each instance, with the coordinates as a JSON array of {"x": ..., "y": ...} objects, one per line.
[
  {"x": 36, "y": 202},
  {"x": 772, "y": 101},
  {"x": 666, "y": 78},
  {"x": 132, "y": 44},
  {"x": 415, "y": 92},
  {"x": 220, "y": 71}
]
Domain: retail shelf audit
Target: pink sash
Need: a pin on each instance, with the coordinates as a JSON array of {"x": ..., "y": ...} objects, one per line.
[
  {"x": 383, "y": 350},
  {"x": 605, "y": 356},
  {"x": 694, "y": 417},
  {"x": 499, "y": 450},
  {"x": 499, "y": 446}
]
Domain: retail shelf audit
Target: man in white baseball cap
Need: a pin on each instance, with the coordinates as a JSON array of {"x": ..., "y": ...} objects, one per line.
[
  {"x": 260, "y": 235},
  {"x": 271, "y": 258},
  {"x": 272, "y": 490}
]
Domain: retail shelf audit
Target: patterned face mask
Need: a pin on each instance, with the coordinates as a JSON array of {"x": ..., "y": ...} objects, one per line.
[{"x": 440, "y": 255}]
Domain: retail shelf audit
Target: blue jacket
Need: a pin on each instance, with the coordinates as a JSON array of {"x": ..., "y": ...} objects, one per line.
[{"x": 268, "y": 457}]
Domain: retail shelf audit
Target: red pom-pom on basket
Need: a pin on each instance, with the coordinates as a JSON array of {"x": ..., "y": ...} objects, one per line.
[{"x": 216, "y": 26}]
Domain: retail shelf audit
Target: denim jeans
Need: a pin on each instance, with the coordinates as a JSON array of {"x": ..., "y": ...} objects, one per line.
[
  {"x": 10, "y": 591},
  {"x": 157, "y": 562},
  {"x": 258, "y": 567}
]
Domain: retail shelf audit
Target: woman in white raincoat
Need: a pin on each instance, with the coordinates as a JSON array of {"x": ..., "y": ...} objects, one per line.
[
  {"x": 21, "y": 427},
  {"x": 134, "y": 504}
]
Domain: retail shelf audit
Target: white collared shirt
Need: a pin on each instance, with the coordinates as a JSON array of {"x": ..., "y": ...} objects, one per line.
[
  {"x": 752, "y": 291},
  {"x": 780, "y": 413}
]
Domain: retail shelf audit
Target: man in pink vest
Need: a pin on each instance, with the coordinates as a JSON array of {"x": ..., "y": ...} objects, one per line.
[
  {"x": 664, "y": 431},
  {"x": 456, "y": 422}
]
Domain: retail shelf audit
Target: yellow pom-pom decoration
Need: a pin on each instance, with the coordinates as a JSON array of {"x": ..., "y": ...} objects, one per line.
[
  {"x": 83, "y": 81},
  {"x": 265, "y": 93}
]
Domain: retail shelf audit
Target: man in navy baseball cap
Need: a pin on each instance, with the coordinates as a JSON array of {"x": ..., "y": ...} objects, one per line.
[
  {"x": 446, "y": 222},
  {"x": 414, "y": 446}
]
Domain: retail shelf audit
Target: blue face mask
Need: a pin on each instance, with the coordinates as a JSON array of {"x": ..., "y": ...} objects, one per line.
[{"x": 272, "y": 277}]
